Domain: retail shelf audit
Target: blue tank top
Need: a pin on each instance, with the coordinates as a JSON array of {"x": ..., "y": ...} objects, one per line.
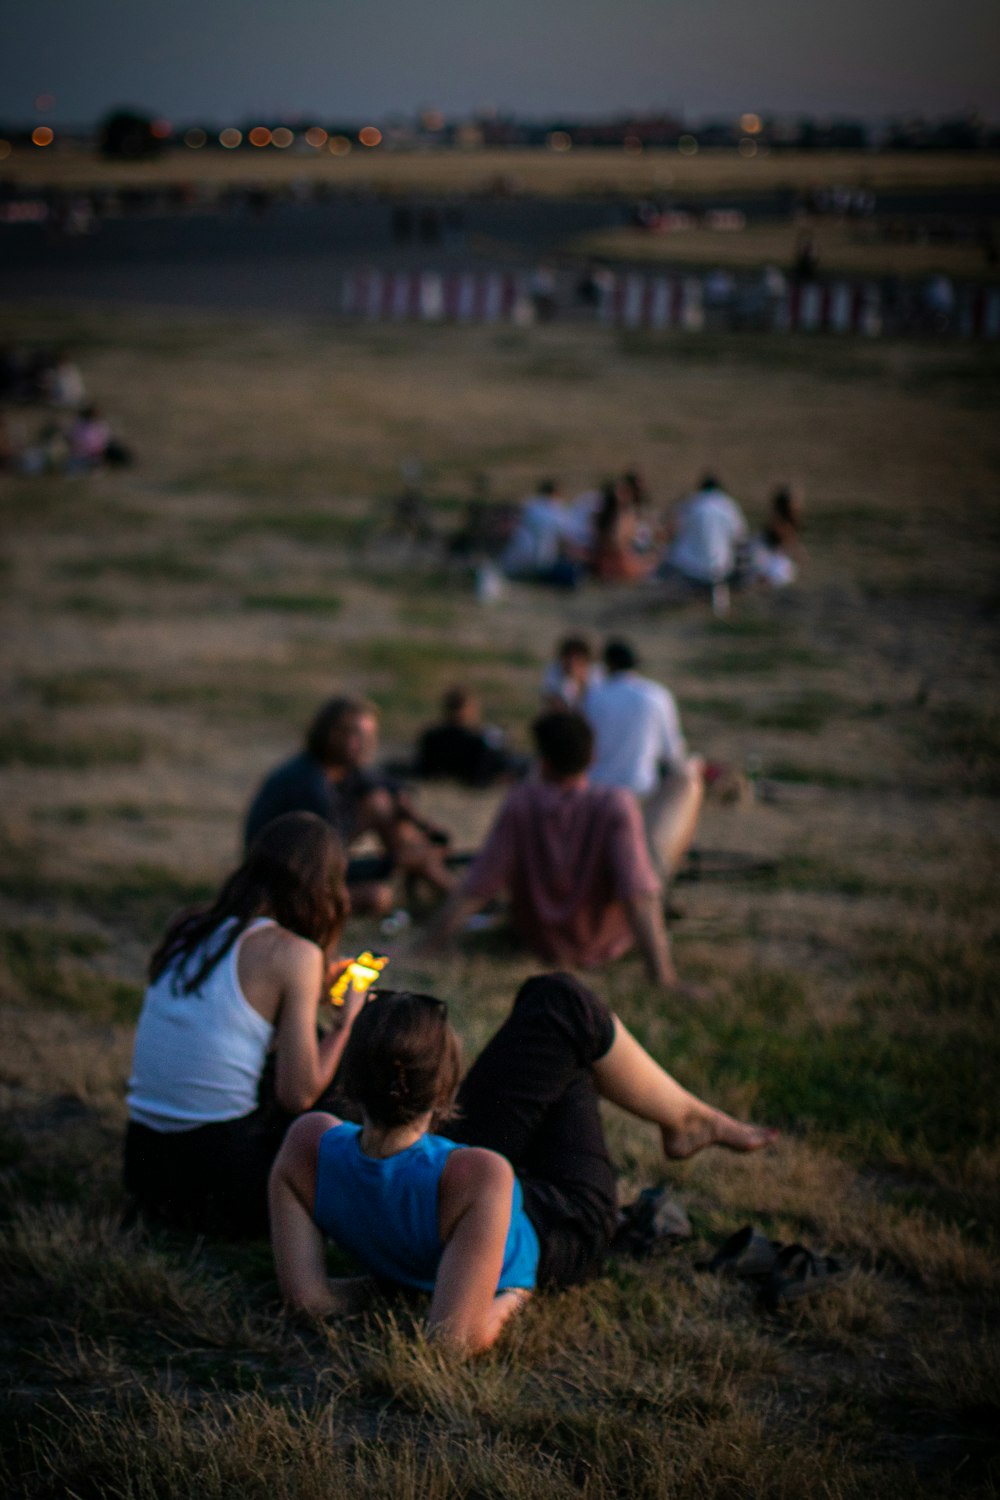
[{"x": 384, "y": 1211}]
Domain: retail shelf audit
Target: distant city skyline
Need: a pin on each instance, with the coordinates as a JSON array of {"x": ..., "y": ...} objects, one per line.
[{"x": 220, "y": 60}]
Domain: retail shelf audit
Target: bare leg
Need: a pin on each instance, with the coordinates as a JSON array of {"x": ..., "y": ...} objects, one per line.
[
  {"x": 627, "y": 1076},
  {"x": 670, "y": 815}
]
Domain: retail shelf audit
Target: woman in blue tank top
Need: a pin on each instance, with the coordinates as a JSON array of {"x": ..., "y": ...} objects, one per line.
[{"x": 520, "y": 1191}]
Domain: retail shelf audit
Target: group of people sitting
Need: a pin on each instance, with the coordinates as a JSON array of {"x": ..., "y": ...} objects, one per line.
[
  {"x": 247, "y": 1117},
  {"x": 76, "y": 440},
  {"x": 613, "y": 534}
]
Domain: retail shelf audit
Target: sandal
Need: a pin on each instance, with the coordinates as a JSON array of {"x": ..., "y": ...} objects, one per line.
[
  {"x": 798, "y": 1272},
  {"x": 746, "y": 1254},
  {"x": 651, "y": 1224}
]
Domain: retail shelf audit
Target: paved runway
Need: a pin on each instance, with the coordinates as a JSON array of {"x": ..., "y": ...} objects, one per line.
[{"x": 292, "y": 256}]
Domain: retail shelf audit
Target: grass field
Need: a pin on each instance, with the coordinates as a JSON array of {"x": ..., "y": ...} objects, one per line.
[
  {"x": 168, "y": 631},
  {"x": 843, "y": 249},
  {"x": 605, "y": 172}
]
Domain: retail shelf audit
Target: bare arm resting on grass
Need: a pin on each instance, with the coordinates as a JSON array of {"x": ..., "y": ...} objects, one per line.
[
  {"x": 456, "y": 1217},
  {"x": 474, "y": 1205}
]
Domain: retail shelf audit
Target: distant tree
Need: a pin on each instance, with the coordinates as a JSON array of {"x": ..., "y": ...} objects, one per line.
[{"x": 127, "y": 135}]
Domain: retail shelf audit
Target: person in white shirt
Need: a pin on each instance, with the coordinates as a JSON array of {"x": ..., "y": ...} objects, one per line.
[
  {"x": 545, "y": 545},
  {"x": 709, "y": 531},
  {"x": 639, "y": 745}
]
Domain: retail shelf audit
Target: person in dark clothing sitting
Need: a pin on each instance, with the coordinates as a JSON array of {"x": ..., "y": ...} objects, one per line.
[
  {"x": 461, "y": 748},
  {"x": 331, "y": 777}
]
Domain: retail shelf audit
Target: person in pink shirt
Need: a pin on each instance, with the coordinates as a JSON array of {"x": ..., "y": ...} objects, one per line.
[{"x": 573, "y": 861}]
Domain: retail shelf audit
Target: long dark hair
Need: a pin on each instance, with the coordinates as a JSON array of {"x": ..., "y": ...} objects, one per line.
[
  {"x": 293, "y": 872},
  {"x": 402, "y": 1059}
]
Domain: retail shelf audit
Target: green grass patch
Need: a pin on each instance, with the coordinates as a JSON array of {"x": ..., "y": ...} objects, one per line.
[
  {"x": 313, "y": 528},
  {"x": 139, "y": 899},
  {"x": 96, "y": 607},
  {"x": 824, "y": 776},
  {"x": 162, "y": 565},
  {"x": 49, "y": 969},
  {"x": 85, "y": 686},
  {"x": 748, "y": 627},
  {"x": 417, "y": 672},
  {"x": 802, "y": 872},
  {"x": 806, "y": 713},
  {"x": 429, "y": 613},
  {"x": 22, "y": 745},
  {"x": 967, "y": 736},
  {"x": 872, "y": 1081},
  {"x": 760, "y": 661},
  {"x": 294, "y": 604}
]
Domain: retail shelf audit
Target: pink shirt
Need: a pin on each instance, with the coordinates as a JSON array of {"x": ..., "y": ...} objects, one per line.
[{"x": 569, "y": 857}]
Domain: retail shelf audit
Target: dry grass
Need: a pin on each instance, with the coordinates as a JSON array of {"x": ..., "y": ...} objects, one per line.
[
  {"x": 547, "y": 173},
  {"x": 168, "y": 631},
  {"x": 843, "y": 250}
]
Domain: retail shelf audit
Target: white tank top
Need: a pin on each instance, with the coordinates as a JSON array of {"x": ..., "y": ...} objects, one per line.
[{"x": 198, "y": 1057}]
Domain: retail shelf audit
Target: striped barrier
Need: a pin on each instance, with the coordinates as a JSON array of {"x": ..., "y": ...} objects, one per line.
[
  {"x": 636, "y": 301},
  {"x": 428, "y": 296},
  {"x": 655, "y": 302}
]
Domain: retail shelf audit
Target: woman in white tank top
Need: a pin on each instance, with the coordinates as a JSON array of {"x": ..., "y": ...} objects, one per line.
[{"x": 234, "y": 988}]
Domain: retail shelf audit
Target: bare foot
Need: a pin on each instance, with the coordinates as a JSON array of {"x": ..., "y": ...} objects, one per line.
[{"x": 713, "y": 1128}]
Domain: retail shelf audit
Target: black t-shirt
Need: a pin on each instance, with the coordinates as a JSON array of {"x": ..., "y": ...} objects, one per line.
[
  {"x": 301, "y": 785},
  {"x": 459, "y": 753}
]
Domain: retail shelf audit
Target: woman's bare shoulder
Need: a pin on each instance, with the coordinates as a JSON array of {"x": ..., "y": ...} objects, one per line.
[
  {"x": 283, "y": 952},
  {"x": 474, "y": 1168}
]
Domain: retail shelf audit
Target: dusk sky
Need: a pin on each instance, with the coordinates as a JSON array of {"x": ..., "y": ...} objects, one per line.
[{"x": 226, "y": 59}]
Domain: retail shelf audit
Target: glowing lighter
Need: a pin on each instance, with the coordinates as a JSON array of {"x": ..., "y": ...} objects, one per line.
[{"x": 361, "y": 972}]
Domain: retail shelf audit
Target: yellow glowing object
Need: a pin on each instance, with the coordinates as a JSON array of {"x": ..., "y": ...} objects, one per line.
[
  {"x": 316, "y": 136},
  {"x": 338, "y": 145},
  {"x": 361, "y": 972},
  {"x": 370, "y": 136},
  {"x": 282, "y": 137},
  {"x": 42, "y": 135},
  {"x": 230, "y": 138}
]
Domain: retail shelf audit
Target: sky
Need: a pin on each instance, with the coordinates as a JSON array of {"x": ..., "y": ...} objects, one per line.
[{"x": 222, "y": 60}]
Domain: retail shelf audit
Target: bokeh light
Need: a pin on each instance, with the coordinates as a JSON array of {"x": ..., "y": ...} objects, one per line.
[
  {"x": 338, "y": 145},
  {"x": 282, "y": 137},
  {"x": 259, "y": 136},
  {"x": 560, "y": 140},
  {"x": 747, "y": 146},
  {"x": 432, "y": 119},
  {"x": 195, "y": 138},
  {"x": 750, "y": 124},
  {"x": 370, "y": 135},
  {"x": 161, "y": 130},
  {"x": 230, "y": 138},
  {"x": 42, "y": 135},
  {"x": 687, "y": 145},
  {"x": 316, "y": 136}
]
